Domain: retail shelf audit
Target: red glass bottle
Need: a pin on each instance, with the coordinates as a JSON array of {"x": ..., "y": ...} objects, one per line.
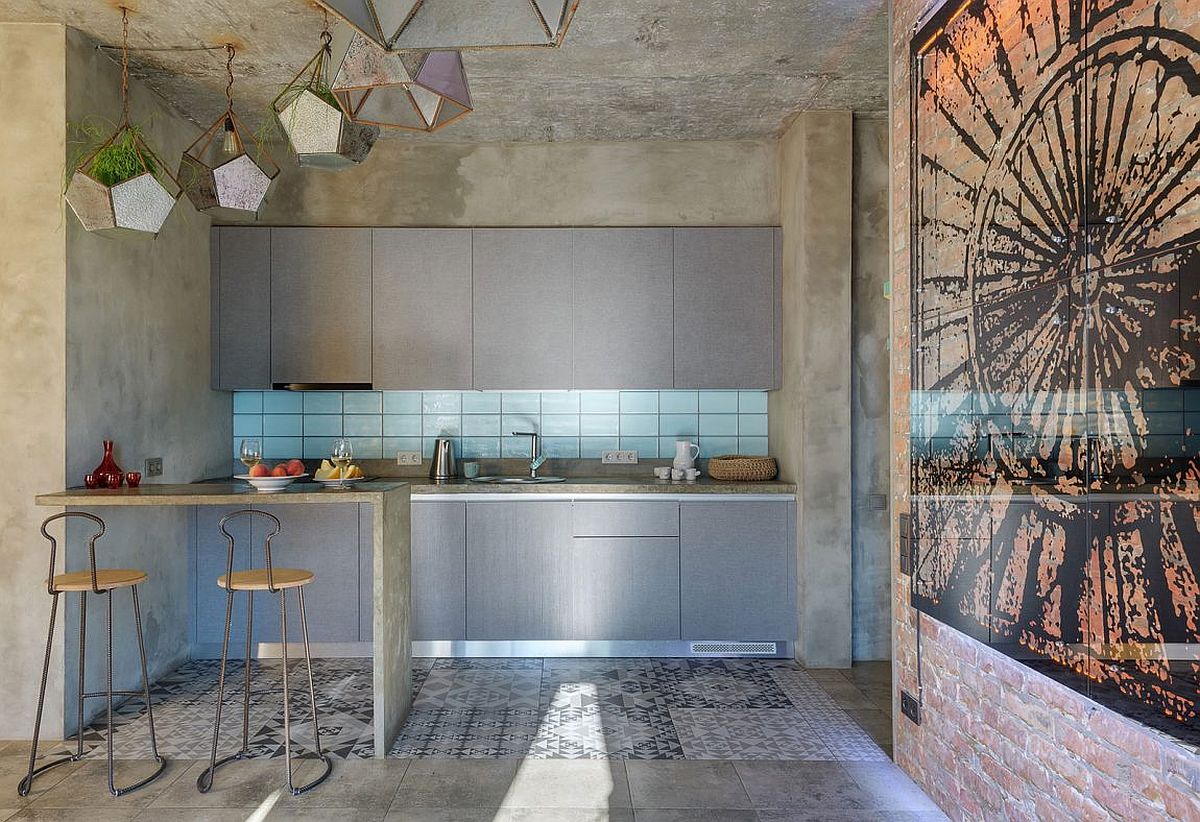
[{"x": 108, "y": 468}]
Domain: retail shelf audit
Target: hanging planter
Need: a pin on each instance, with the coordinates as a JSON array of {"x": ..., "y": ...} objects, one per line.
[
  {"x": 318, "y": 130},
  {"x": 217, "y": 171},
  {"x": 123, "y": 185}
]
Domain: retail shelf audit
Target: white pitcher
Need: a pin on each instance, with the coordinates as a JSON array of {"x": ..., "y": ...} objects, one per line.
[{"x": 685, "y": 457}]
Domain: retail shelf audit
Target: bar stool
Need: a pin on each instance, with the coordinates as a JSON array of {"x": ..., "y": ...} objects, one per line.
[
  {"x": 100, "y": 581},
  {"x": 276, "y": 581}
]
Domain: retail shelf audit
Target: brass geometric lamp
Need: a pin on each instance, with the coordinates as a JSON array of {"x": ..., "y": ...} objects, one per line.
[
  {"x": 216, "y": 170},
  {"x": 416, "y": 91},
  {"x": 398, "y": 25}
]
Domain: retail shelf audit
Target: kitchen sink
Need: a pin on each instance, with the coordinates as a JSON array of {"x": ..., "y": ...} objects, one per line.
[{"x": 518, "y": 480}]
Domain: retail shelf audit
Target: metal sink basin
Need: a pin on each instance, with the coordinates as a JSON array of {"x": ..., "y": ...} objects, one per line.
[{"x": 518, "y": 480}]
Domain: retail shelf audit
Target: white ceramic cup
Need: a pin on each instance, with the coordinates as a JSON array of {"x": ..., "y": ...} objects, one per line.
[
  {"x": 692, "y": 473},
  {"x": 676, "y": 473},
  {"x": 663, "y": 472}
]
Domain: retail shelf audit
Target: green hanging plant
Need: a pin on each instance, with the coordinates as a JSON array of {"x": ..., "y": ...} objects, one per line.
[{"x": 121, "y": 159}]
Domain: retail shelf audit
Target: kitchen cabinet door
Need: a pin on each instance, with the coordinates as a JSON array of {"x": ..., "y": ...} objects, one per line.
[
  {"x": 624, "y": 588},
  {"x": 522, "y": 308},
  {"x": 737, "y": 570},
  {"x": 241, "y": 308},
  {"x": 622, "y": 307},
  {"x": 518, "y": 570},
  {"x": 439, "y": 570},
  {"x": 725, "y": 295},
  {"x": 421, "y": 298},
  {"x": 321, "y": 305}
]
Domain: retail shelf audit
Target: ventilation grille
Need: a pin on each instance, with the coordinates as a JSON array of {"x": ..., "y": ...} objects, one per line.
[{"x": 733, "y": 648}]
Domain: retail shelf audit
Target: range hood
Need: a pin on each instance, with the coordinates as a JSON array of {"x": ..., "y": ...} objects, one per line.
[{"x": 322, "y": 386}]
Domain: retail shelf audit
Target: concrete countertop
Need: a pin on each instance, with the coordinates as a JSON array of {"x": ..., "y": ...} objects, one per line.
[
  {"x": 602, "y": 485},
  {"x": 218, "y": 493}
]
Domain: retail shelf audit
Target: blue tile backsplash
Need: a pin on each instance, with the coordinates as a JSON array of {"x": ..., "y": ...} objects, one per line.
[{"x": 573, "y": 424}]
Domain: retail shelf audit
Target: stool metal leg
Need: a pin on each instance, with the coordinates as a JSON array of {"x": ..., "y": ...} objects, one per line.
[
  {"x": 26, "y": 784},
  {"x": 312, "y": 697},
  {"x": 249, "y": 662},
  {"x": 82, "y": 678},
  {"x": 205, "y": 781},
  {"x": 287, "y": 730}
]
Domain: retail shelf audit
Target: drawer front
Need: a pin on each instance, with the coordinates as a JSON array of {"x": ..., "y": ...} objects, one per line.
[{"x": 625, "y": 519}]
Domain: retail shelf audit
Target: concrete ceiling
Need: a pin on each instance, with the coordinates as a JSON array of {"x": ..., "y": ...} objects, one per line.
[{"x": 628, "y": 70}]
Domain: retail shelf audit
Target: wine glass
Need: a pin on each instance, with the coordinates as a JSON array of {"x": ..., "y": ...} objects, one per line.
[
  {"x": 251, "y": 453},
  {"x": 343, "y": 453}
]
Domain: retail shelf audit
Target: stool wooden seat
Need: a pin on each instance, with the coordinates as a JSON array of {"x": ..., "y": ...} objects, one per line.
[
  {"x": 256, "y": 579},
  {"x": 106, "y": 579}
]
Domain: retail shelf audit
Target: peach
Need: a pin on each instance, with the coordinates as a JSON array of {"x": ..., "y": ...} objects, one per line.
[
  {"x": 295, "y": 468},
  {"x": 260, "y": 470},
  {"x": 280, "y": 471}
]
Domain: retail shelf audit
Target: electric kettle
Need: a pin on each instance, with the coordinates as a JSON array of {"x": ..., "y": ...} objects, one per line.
[{"x": 444, "y": 466}]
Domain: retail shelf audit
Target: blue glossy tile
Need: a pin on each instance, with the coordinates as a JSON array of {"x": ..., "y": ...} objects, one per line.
[
  {"x": 402, "y": 425},
  {"x": 752, "y": 425},
  {"x": 673, "y": 425},
  {"x": 327, "y": 425},
  {"x": 639, "y": 402},
  {"x": 481, "y": 447},
  {"x": 600, "y": 402},
  {"x": 639, "y": 425},
  {"x": 362, "y": 402},
  {"x": 283, "y": 425},
  {"x": 481, "y": 425},
  {"x": 1164, "y": 424},
  {"x": 367, "y": 448},
  {"x": 647, "y": 447},
  {"x": 753, "y": 446},
  {"x": 281, "y": 448},
  {"x": 247, "y": 402},
  {"x": 322, "y": 402},
  {"x": 362, "y": 425},
  {"x": 561, "y": 447},
  {"x": 1191, "y": 399},
  {"x": 282, "y": 402},
  {"x": 560, "y": 402},
  {"x": 393, "y": 444},
  {"x": 560, "y": 425},
  {"x": 247, "y": 425},
  {"x": 441, "y": 402},
  {"x": 752, "y": 402},
  {"x": 441, "y": 425},
  {"x": 718, "y": 425},
  {"x": 480, "y": 402},
  {"x": 599, "y": 425},
  {"x": 522, "y": 402},
  {"x": 1160, "y": 446},
  {"x": 590, "y": 447},
  {"x": 518, "y": 422},
  {"x": 718, "y": 402},
  {"x": 1162, "y": 399},
  {"x": 678, "y": 402},
  {"x": 514, "y": 447},
  {"x": 316, "y": 448},
  {"x": 402, "y": 402},
  {"x": 715, "y": 446}
]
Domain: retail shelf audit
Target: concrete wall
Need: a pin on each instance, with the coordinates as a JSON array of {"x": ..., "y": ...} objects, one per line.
[
  {"x": 540, "y": 184},
  {"x": 137, "y": 331},
  {"x": 33, "y": 339},
  {"x": 870, "y": 416},
  {"x": 810, "y": 415}
]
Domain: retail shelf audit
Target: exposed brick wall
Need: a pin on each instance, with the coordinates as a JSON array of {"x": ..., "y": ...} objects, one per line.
[{"x": 999, "y": 740}]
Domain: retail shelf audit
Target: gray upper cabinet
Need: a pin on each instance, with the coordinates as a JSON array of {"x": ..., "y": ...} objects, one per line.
[
  {"x": 737, "y": 570},
  {"x": 320, "y": 305},
  {"x": 522, "y": 308},
  {"x": 622, "y": 307},
  {"x": 241, "y": 308},
  {"x": 421, "y": 322},
  {"x": 439, "y": 571},
  {"x": 725, "y": 327}
]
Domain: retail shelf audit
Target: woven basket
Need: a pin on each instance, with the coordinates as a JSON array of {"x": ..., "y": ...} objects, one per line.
[{"x": 739, "y": 468}]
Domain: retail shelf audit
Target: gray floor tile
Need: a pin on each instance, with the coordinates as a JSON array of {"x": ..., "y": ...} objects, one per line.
[
  {"x": 876, "y": 723},
  {"x": 448, "y": 783},
  {"x": 246, "y": 784},
  {"x": 732, "y": 733},
  {"x": 889, "y": 786},
  {"x": 116, "y": 813},
  {"x": 586, "y": 784},
  {"x": 87, "y": 785},
  {"x": 364, "y": 784},
  {"x": 399, "y": 813},
  {"x": 694, "y": 815},
  {"x": 822, "y": 815},
  {"x": 654, "y": 784},
  {"x": 785, "y": 785},
  {"x": 565, "y": 815},
  {"x": 13, "y": 768}
]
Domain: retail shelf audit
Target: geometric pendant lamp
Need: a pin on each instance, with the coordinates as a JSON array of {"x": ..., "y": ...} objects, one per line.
[
  {"x": 415, "y": 91},
  {"x": 397, "y": 25}
]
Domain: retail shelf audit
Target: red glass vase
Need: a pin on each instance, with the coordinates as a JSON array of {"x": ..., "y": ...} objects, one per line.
[{"x": 108, "y": 472}]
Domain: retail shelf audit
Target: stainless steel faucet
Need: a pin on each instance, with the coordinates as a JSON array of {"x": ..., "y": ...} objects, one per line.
[{"x": 536, "y": 460}]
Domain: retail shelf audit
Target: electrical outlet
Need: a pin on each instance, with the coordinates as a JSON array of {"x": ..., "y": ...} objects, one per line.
[
  {"x": 910, "y": 707},
  {"x": 408, "y": 457},
  {"x": 154, "y": 467},
  {"x": 618, "y": 457}
]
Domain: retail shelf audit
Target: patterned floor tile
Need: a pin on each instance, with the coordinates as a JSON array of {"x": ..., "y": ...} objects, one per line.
[
  {"x": 602, "y": 732},
  {"x": 468, "y": 733},
  {"x": 747, "y": 733}
]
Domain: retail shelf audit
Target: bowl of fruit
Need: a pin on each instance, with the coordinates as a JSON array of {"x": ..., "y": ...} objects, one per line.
[
  {"x": 266, "y": 478},
  {"x": 331, "y": 476}
]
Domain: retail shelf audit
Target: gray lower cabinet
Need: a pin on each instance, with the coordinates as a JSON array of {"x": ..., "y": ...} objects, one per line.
[
  {"x": 624, "y": 588},
  {"x": 439, "y": 570},
  {"x": 320, "y": 305},
  {"x": 421, "y": 328},
  {"x": 737, "y": 570},
  {"x": 725, "y": 298},
  {"x": 622, "y": 295},
  {"x": 522, "y": 308},
  {"x": 241, "y": 308},
  {"x": 518, "y": 570}
]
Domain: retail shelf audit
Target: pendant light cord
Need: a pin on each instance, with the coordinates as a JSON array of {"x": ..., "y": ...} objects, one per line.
[
  {"x": 124, "y": 66},
  {"x": 229, "y": 54}
]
